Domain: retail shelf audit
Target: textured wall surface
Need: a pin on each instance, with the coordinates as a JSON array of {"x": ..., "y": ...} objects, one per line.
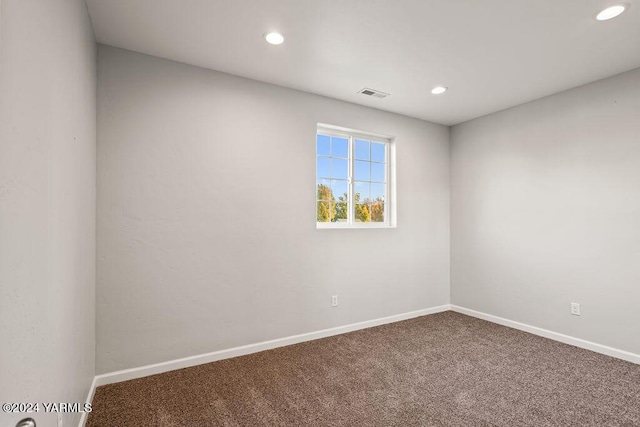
[
  {"x": 206, "y": 218},
  {"x": 47, "y": 204},
  {"x": 546, "y": 211}
]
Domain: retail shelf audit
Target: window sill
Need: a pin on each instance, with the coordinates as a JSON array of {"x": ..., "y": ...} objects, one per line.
[{"x": 321, "y": 226}]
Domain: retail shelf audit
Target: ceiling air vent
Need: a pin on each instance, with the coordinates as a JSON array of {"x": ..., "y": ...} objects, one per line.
[{"x": 373, "y": 92}]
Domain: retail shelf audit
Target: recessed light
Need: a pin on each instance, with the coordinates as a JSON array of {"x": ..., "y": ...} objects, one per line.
[
  {"x": 274, "y": 38},
  {"x": 438, "y": 90},
  {"x": 612, "y": 12}
]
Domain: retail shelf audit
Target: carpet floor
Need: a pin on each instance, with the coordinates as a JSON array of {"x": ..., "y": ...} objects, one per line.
[{"x": 444, "y": 369}]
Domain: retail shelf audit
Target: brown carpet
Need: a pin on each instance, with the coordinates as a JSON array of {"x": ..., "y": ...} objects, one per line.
[{"x": 445, "y": 369}]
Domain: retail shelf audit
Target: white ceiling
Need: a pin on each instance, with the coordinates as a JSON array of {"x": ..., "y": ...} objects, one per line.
[{"x": 492, "y": 54}]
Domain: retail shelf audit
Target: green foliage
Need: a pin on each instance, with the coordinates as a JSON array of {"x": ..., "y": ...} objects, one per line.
[
  {"x": 330, "y": 210},
  {"x": 362, "y": 213},
  {"x": 326, "y": 207},
  {"x": 342, "y": 207}
]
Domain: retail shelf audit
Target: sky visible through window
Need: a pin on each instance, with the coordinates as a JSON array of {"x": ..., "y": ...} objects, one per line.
[{"x": 369, "y": 179}]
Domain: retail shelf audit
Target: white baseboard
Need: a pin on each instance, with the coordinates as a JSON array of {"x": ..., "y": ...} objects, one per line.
[
  {"x": 598, "y": 348},
  {"x": 92, "y": 390},
  {"x": 157, "y": 368}
]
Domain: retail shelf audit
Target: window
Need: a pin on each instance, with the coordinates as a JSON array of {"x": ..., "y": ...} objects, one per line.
[{"x": 352, "y": 179}]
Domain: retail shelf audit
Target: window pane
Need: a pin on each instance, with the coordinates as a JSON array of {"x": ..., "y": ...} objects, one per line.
[
  {"x": 323, "y": 190},
  {"x": 377, "y": 152},
  {"x": 323, "y": 167},
  {"x": 325, "y": 211},
  {"x": 377, "y": 212},
  {"x": 377, "y": 172},
  {"x": 339, "y": 147},
  {"x": 339, "y": 188},
  {"x": 362, "y": 213},
  {"x": 325, "y": 182},
  {"x": 339, "y": 168},
  {"x": 362, "y": 150},
  {"x": 362, "y": 172},
  {"x": 377, "y": 192},
  {"x": 342, "y": 209},
  {"x": 323, "y": 146},
  {"x": 361, "y": 190}
]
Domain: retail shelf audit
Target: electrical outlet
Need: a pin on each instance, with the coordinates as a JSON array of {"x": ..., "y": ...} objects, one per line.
[
  {"x": 575, "y": 309},
  {"x": 334, "y": 300}
]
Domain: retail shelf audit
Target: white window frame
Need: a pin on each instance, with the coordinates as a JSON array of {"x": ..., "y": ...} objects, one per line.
[{"x": 390, "y": 205}]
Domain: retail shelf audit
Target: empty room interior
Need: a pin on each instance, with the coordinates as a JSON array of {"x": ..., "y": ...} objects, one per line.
[{"x": 319, "y": 213}]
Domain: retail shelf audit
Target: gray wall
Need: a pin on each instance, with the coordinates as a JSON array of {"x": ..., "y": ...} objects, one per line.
[
  {"x": 206, "y": 217},
  {"x": 546, "y": 210},
  {"x": 47, "y": 204}
]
